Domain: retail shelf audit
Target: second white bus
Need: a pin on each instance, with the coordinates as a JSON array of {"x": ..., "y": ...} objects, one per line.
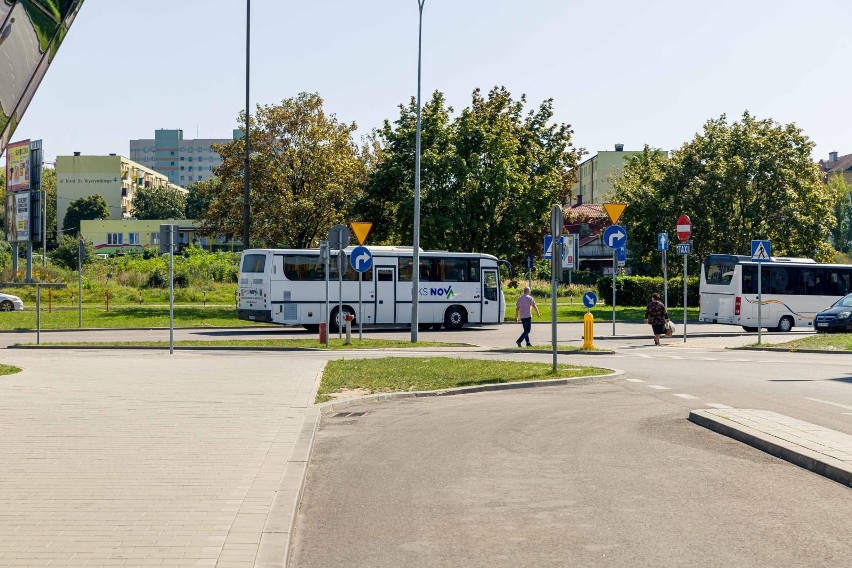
[
  {"x": 287, "y": 286},
  {"x": 792, "y": 291}
]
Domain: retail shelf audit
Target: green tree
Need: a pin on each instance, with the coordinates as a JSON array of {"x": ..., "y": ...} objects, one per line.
[
  {"x": 305, "y": 172},
  {"x": 488, "y": 177},
  {"x": 85, "y": 208},
  {"x": 841, "y": 234},
  {"x": 158, "y": 202},
  {"x": 200, "y": 197},
  {"x": 751, "y": 179},
  {"x": 48, "y": 185},
  {"x": 66, "y": 252}
]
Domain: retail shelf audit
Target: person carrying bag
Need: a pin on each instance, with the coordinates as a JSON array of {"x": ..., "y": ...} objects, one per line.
[{"x": 657, "y": 316}]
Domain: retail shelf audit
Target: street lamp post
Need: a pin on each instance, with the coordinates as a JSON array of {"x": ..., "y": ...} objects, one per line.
[
  {"x": 246, "y": 192},
  {"x": 415, "y": 277}
]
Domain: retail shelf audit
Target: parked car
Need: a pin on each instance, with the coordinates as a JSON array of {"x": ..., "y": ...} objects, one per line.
[
  {"x": 836, "y": 318},
  {"x": 8, "y": 302}
]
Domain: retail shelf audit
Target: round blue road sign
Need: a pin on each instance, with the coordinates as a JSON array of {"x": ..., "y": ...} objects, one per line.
[
  {"x": 590, "y": 299},
  {"x": 361, "y": 259}
]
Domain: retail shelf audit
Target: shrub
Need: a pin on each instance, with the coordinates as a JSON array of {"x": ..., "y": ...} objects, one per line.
[{"x": 637, "y": 290}]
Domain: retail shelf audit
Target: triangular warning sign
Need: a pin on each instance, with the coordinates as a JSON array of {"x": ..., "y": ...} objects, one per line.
[
  {"x": 614, "y": 210},
  {"x": 361, "y": 230}
]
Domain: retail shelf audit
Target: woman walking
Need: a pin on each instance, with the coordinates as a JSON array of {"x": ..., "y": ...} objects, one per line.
[{"x": 657, "y": 316}]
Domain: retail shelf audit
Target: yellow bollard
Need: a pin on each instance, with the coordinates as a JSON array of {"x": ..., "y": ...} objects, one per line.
[{"x": 588, "y": 331}]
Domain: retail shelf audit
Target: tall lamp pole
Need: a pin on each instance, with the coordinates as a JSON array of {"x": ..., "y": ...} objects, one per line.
[
  {"x": 246, "y": 192},
  {"x": 415, "y": 277}
]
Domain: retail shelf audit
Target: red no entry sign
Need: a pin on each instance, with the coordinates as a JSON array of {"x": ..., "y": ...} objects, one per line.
[{"x": 684, "y": 228}]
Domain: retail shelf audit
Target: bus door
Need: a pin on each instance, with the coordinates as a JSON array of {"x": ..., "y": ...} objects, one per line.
[
  {"x": 385, "y": 294},
  {"x": 490, "y": 296}
]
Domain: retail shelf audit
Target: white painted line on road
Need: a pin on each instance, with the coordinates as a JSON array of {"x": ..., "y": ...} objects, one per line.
[
  {"x": 718, "y": 405},
  {"x": 831, "y": 403},
  {"x": 687, "y": 396},
  {"x": 635, "y": 380},
  {"x": 658, "y": 387}
]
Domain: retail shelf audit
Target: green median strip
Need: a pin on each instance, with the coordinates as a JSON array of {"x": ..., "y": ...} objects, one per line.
[
  {"x": 818, "y": 342},
  {"x": 357, "y": 377},
  {"x": 9, "y": 370},
  {"x": 247, "y": 343}
]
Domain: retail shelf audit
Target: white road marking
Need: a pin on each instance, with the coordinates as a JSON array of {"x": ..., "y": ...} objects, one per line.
[
  {"x": 831, "y": 403},
  {"x": 658, "y": 387},
  {"x": 718, "y": 405},
  {"x": 636, "y": 380},
  {"x": 687, "y": 396}
]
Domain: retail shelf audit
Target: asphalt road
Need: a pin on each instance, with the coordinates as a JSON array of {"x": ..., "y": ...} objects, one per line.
[{"x": 610, "y": 474}]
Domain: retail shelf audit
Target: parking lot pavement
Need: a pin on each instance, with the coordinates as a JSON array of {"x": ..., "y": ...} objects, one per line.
[{"x": 144, "y": 458}]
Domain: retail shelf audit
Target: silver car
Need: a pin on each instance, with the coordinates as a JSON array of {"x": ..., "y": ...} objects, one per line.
[{"x": 8, "y": 302}]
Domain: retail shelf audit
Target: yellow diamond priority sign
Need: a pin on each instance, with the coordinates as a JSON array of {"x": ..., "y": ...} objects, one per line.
[
  {"x": 361, "y": 230},
  {"x": 614, "y": 210}
]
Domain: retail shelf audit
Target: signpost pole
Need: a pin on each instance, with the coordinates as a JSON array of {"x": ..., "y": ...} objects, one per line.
[
  {"x": 327, "y": 261},
  {"x": 360, "y": 309},
  {"x": 759, "y": 302},
  {"x": 665, "y": 283},
  {"x": 341, "y": 261},
  {"x": 614, "y": 254},
  {"x": 172, "y": 288},
  {"x": 81, "y": 251},
  {"x": 556, "y": 227},
  {"x": 685, "y": 259}
]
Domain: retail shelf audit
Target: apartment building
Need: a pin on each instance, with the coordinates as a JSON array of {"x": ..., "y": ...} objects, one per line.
[
  {"x": 596, "y": 174},
  {"x": 113, "y": 177},
  {"x": 182, "y": 161}
]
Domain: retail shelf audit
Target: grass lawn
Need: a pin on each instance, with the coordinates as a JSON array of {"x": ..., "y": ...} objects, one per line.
[
  {"x": 820, "y": 341},
  {"x": 124, "y": 316},
  {"x": 333, "y": 343},
  {"x": 9, "y": 370},
  {"x": 403, "y": 374}
]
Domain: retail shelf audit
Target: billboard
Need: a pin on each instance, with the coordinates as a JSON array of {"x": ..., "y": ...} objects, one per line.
[
  {"x": 18, "y": 166},
  {"x": 18, "y": 217},
  {"x": 31, "y": 32}
]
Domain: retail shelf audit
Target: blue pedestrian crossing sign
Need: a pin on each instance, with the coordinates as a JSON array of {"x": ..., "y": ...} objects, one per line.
[
  {"x": 590, "y": 299},
  {"x": 361, "y": 259},
  {"x": 761, "y": 251},
  {"x": 548, "y": 247},
  {"x": 662, "y": 241},
  {"x": 615, "y": 236}
]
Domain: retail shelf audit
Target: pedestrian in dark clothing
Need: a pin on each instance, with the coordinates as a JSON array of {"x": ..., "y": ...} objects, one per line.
[{"x": 657, "y": 316}]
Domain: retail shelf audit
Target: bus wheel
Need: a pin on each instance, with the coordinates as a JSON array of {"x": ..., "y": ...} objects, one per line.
[
  {"x": 454, "y": 318},
  {"x": 336, "y": 322},
  {"x": 785, "y": 324},
  {"x": 749, "y": 329}
]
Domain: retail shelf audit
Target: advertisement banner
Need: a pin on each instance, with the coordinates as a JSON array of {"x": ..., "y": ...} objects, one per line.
[
  {"x": 31, "y": 32},
  {"x": 18, "y": 166},
  {"x": 18, "y": 217}
]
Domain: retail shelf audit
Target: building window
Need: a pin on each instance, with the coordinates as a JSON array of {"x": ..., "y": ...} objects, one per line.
[
  {"x": 181, "y": 177},
  {"x": 190, "y": 158},
  {"x": 115, "y": 238},
  {"x": 172, "y": 153},
  {"x": 155, "y": 238},
  {"x": 181, "y": 168},
  {"x": 133, "y": 238},
  {"x": 181, "y": 158}
]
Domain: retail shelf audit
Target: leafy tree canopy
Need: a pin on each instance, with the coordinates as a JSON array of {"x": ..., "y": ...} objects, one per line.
[
  {"x": 305, "y": 171},
  {"x": 841, "y": 234},
  {"x": 66, "y": 253},
  {"x": 85, "y": 208},
  {"x": 159, "y": 202},
  {"x": 489, "y": 177},
  {"x": 750, "y": 179},
  {"x": 200, "y": 197}
]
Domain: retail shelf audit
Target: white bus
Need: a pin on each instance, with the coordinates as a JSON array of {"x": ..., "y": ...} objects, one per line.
[
  {"x": 287, "y": 286},
  {"x": 793, "y": 290}
]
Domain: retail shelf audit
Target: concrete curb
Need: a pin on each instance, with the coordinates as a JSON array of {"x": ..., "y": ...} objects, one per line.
[
  {"x": 791, "y": 350},
  {"x": 336, "y": 405},
  {"x": 820, "y": 464}
]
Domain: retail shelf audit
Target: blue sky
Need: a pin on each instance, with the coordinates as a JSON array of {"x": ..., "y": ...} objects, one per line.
[{"x": 618, "y": 70}]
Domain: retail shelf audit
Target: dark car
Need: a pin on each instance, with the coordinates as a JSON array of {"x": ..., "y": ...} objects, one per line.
[{"x": 836, "y": 318}]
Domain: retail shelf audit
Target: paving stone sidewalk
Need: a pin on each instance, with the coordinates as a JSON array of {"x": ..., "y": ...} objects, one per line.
[{"x": 128, "y": 458}]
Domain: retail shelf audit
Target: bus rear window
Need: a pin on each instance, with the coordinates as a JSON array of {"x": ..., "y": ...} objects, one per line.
[
  {"x": 716, "y": 272},
  {"x": 254, "y": 263}
]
